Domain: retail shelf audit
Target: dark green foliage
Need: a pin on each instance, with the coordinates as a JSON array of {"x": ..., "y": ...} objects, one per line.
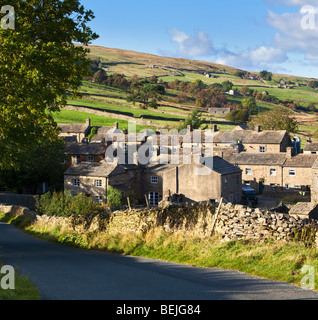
[
  {"x": 63, "y": 204},
  {"x": 266, "y": 75},
  {"x": 114, "y": 198},
  {"x": 238, "y": 115}
]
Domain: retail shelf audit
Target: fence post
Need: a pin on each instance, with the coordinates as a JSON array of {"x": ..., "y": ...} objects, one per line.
[{"x": 216, "y": 216}]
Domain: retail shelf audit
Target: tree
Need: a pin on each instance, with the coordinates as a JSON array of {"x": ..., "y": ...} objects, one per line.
[
  {"x": 276, "y": 119},
  {"x": 238, "y": 115},
  {"x": 143, "y": 91},
  {"x": 40, "y": 66},
  {"x": 227, "y": 86},
  {"x": 313, "y": 84},
  {"x": 115, "y": 198},
  {"x": 250, "y": 104},
  {"x": 266, "y": 75},
  {"x": 194, "y": 119}
]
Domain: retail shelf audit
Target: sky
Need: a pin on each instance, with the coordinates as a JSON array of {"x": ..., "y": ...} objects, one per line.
[{"x": 280, "y": 36}]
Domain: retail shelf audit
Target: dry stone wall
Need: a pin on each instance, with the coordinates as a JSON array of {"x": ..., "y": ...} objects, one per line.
[{"x": 233, "y": 221}]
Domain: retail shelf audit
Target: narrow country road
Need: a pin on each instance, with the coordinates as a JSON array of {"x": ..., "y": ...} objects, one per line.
[{"x": 63, "y": 273}]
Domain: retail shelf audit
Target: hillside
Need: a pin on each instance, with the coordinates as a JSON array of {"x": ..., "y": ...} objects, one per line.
[{"x": 105, "y": 104}]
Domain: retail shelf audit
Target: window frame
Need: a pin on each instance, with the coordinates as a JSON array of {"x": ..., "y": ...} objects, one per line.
[{"x": 154, "y": 179}]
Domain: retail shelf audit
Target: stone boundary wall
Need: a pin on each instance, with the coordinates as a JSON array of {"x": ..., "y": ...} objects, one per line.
[
  {"x": 234, "y": 222},
  {"x": 23, "y": 200}
]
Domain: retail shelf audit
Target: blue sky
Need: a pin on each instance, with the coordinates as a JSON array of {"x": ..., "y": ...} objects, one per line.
[{"x": 248, "y": 34}]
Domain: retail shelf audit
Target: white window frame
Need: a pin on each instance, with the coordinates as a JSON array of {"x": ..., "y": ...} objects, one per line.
[
  {"x": 297, "y": 187},
  {"x": 287, "y": 186},
  {"x": 76, "y": 182},
  {"x": 154, "y": 180},
  {"x": 262, "y": 149},
  {"x": 292, "y": 172},
  {"x": 98, "y": 183},
  {"x": 248, "y": 171},
  {"x": 153, "y": 198},
  {"x": 272, "y": 172}
]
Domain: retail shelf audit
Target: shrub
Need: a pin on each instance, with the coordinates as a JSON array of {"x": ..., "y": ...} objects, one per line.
[
  {"x": 114, "y": 198},
  {"x": 63, "y": 204}
]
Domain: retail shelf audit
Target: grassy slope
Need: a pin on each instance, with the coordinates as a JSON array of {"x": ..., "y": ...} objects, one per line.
[{"x": 133, "y": 63}]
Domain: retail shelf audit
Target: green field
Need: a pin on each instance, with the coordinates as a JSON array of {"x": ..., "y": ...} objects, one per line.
[{"x": 169, "y": 111}]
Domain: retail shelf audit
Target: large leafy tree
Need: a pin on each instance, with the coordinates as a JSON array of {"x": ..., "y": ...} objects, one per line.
[
  {"x": 276, "y": 119},
  {"x": 40, "y": 65}
]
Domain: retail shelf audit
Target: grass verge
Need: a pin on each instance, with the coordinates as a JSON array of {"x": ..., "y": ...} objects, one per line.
[
  {"x": 274, "y": 260},
  {"x": 24, "y": 289}
]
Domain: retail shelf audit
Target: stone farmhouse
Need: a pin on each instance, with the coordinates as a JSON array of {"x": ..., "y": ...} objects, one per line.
[
  {"x": 93, "y": 179},
  {"x": 75, "y": 132}
]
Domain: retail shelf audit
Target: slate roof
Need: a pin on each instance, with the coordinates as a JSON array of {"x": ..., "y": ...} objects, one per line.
[
  {"x": 99, "y": 169},
  {"x": 256, "y": 158},
  {"x": 217, "y": 164},
  {"x": 249, "y": 136},
  {"x": 84, "y": 149},
  {"x": 91, "y": 169},
  {"x": 73, "y": 127},
  {"x": 301, "y": 160},
  {"x": 311, "y": 147}
]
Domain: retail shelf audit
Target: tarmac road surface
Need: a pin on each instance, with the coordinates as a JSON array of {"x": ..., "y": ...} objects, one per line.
[{"x": 63, "y": 273}]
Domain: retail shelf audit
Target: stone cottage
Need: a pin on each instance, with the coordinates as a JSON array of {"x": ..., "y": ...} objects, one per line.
[
  {"x": 76, "y": 131},
  {"x": 194, "y": 182},
  {"x": 94, "y": 178}
]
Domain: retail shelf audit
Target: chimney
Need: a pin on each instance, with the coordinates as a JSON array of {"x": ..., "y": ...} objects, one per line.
[
  {"x": 215, "y": 127},
  {"x": 258, "y": 129},
  {"x": 116, "y": 125},
  {"x": 289, "y": 152},
  {"x": 88, "y": 122}
]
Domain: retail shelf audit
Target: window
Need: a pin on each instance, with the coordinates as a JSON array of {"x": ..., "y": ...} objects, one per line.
[
  {"x": 272, "y": 172},
  {"x": 287, "y": 186},
  {"x": 248, "y": 171},
  {"x": 78, "y": 159},
  {"x": 262, "y": 149},
  {"x": 153, "y": 198},
  {"x": 297, "y": 187},
  {"x": 247, "y": 183},
  {"x": 76, "y": 182},
  {"x": 292, "y": 172},
  {"x": 98, "y": 199},
  {"x": 98, "y": 183},
  {"x": 90, "y": 158},
  {"x": 154, "y": 180},
  {"x": 272, "y": 185}
]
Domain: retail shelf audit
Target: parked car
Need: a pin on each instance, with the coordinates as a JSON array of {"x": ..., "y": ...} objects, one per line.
[{"x": 249, "y": 194}]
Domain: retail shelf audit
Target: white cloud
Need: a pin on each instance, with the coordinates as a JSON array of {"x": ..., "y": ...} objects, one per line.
[
  {"x": 291, "y": 34},
  {"x": 191, "y": 46},
  {"x": 254, "y": 59}
]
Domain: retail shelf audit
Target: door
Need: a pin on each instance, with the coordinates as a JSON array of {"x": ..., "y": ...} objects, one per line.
[
  {"x": 261, "y": 187},
  {"x": 153, "y": 198}
]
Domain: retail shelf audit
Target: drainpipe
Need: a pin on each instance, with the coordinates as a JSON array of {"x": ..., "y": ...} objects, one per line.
[{"x": 177, "y": 180}]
